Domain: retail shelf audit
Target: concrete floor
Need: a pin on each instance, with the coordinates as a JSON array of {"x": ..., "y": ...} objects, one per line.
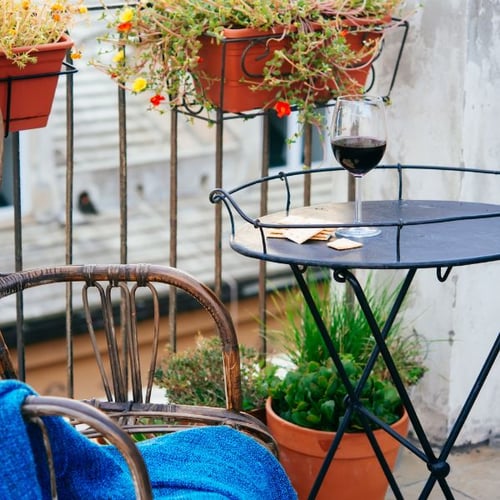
[{"x": 475, "y": 474}]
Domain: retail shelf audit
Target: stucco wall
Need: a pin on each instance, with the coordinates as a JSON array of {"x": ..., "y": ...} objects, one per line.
[{"x": 444, "y": 111}]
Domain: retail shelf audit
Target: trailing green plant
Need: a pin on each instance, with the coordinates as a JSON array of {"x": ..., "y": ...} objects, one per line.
[
  {"x": 155, "y": 46},
  {"x": 196, "y": 375},
  {"x": 311, "y": 393}
]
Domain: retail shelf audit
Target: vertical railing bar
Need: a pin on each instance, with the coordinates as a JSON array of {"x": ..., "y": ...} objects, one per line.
[
  {"x": 264, "y": 194},
  {"x": 172, "y": 300},
  {"x": 307, "y": 162},
  {"x": 122, "y": 150},
  {"x": 219, "y": 145},
  {"x": 18, "y": 251},
  {"x": 218, "y": 209},
  {"x": 70, "y": 168},
  {"x": 122, "y": 133}
]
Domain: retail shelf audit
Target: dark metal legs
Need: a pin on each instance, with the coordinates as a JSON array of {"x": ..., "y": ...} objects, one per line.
[{"x": 438, "y": 466}]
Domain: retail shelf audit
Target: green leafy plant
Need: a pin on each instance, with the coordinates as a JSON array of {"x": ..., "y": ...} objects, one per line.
[
  {"x": 28, "y": 23},
  {"x": 155, "y": 46},
  {"x": 196, "y": 376},
  {"x": 311, "y": 393}
]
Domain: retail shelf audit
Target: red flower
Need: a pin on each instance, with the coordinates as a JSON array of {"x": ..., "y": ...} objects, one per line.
[
  {"x": 282, "y": 108},
  {"x": 156, "y": 100},
  {"x": 124, "y": 27},
  {"x": 343, "y": 33}
]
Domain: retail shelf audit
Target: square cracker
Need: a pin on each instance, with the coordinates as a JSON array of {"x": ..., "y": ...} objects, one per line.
[{"x": 344, "y": 244}]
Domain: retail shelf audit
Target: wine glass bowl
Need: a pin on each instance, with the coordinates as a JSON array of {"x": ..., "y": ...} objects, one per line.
[{"x": 358, "y": 137}]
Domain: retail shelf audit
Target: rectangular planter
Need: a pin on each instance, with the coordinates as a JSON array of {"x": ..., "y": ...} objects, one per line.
[
  {"x": 239, "y": 61},
  {"x": 240, "y": 58},
  {"x": 26, "y": 95}
]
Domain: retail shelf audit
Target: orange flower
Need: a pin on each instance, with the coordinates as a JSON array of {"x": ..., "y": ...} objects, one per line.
[
  {"x": 282, "y": 108},
  {"x": 124, "y": 27},
  {"x": 156, "y": 100},
  {"x": 343, "y": 33}
]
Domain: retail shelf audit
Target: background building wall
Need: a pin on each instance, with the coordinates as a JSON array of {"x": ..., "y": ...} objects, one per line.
[{"x": 445, "y": 111}]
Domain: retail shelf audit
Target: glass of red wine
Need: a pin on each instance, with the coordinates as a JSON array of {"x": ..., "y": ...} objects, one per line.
[{"x": 358, "y": 136}]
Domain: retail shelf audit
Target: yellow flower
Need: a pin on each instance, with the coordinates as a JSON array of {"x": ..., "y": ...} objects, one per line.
[
  {"x": 127, "y": 15},
  {"x": 119, "y": 56},
  {"x": 139, "y": 84},
  {"x": 57, "y": 7},
  {"x": 76, "y": 55},
  {"x": 26, "y": 4},
  {"x": 82, "y": 9}
]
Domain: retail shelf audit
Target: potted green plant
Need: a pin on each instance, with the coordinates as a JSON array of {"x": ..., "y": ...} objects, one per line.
[
  {"x": 196, "y": 376},
  {"x": 306, "y": 406},
  {"x": 287, "y": 53},
  {"x": 33, "y": 42}
]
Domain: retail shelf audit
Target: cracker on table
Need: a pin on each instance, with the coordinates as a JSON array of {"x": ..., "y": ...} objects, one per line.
[
  {"x": 323, "y": 235},
  {"x": 300, "y": 234},
  {"x": 344, "y": 244}
]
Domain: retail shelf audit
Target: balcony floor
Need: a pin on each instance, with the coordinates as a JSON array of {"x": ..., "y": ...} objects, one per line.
[{"x": 474, "y": 474}]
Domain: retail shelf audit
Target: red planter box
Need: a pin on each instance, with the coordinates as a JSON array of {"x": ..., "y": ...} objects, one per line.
[{"x": 32, "y": 89}]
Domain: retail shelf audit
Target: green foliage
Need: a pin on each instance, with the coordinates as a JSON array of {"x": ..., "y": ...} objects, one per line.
[
  {"x": 312, "y": 394},
  {"x": 162, "y": 43},
  {"x": 196, "y": 376}
]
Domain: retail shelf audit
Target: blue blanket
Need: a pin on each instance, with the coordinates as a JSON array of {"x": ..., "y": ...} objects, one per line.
[{"x": 204, "y": 463}]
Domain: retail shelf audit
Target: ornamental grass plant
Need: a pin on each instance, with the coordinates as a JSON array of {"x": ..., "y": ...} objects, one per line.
[
  {"x": 154, "y": 47},
  {"x": 24, "y": 24}
]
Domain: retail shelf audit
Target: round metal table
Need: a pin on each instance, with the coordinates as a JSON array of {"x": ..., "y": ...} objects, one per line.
[{"x": 416, "y": 234}]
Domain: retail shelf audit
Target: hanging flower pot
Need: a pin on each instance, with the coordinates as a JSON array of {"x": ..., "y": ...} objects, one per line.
[
  {"x": 26, "y": 94},
  {"x": 354, "y": 472},
  {"x": 283, "y": 53},
  {"x": 230, "y": 71}
]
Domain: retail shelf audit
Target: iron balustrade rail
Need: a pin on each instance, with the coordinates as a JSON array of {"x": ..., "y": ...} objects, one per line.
[{"x": 218, "y": 119}]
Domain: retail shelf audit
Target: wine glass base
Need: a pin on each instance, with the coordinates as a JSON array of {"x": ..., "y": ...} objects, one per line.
[{"x": 357, "y": 232}]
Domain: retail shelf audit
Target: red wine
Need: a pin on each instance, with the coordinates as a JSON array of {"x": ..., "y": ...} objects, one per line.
[{"x": 358, "y": 155}]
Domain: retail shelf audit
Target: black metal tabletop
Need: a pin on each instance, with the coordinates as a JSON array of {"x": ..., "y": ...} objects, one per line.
[{"x": 415, "y": 234}]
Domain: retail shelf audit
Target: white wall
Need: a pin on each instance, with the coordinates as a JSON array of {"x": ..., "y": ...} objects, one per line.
[{"x": 445, "y": 111}]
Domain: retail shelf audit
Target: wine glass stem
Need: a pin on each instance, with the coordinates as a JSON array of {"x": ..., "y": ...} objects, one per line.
[{"x": 358, "y": 199}]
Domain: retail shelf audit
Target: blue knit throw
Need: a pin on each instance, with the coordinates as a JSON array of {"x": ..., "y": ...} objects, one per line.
[{"x": 204, "y": 463}]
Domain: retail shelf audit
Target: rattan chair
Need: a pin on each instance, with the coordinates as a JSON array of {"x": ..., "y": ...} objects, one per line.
[
  {"x": 126, "y": 383},
  {"x": 35, "y": 408}
]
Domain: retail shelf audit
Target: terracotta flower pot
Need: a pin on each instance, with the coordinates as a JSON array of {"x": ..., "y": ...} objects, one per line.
[
  {"x": 239, "y": 61},
  {"x": 26, "y": 99},
  {"x": 354, "y": 474},
  {"x": 354, "y": 78}
]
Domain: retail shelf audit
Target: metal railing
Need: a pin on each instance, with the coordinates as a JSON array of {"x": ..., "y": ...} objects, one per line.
[{"x": 219, "y": 119}]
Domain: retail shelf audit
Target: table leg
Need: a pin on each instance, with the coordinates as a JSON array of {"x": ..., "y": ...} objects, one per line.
[{"x": 438, "y": 466}]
